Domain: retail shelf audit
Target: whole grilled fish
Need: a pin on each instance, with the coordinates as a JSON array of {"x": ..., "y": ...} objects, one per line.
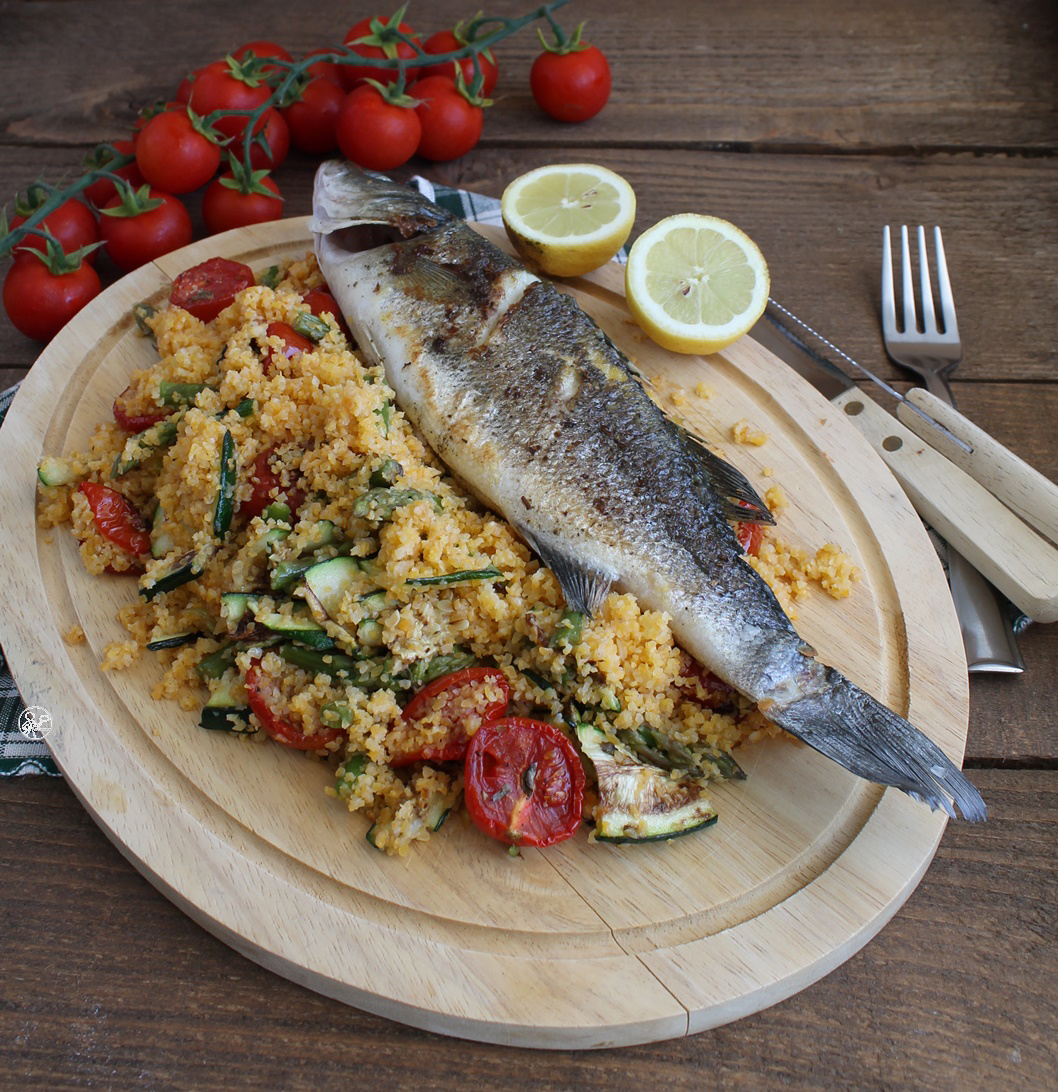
[{"x": 527, "y": 401}]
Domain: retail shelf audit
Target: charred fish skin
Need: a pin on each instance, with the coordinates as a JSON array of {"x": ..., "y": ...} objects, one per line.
[{"x": 527, "y": 401}]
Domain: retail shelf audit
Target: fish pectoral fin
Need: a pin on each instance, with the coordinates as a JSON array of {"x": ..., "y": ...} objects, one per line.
[
  {"x": 434, "y": 278},
  {"x": 584, "y": 587},
  {"x": 739, "y": 498}
]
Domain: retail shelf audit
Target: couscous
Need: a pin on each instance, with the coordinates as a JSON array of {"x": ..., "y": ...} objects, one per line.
[{"x": 309, "y": 573}]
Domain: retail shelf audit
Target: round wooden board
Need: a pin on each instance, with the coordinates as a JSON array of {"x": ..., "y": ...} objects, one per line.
[{"x": 582, "y": 945}]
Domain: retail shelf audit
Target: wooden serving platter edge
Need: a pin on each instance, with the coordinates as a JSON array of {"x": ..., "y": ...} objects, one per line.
[{"x": 579, "y": 946}]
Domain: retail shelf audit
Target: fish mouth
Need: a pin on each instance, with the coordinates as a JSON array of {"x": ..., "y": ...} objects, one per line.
[{"x": 358, "y": 238}]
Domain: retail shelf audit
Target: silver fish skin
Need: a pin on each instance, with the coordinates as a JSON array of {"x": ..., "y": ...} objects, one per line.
[{"x": 527, "y": 401}]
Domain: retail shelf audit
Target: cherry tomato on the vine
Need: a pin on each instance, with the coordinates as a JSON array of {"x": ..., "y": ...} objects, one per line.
[
  {"x": 313, "y": 119},
  {"x": 206, "y": 289},
  {"x": 40, "y": 302},
  {"x": 457, "y": 704},
  {"x": 175, "y": 154},
  {"x": 72, "y": 224},
  {"x": 277, "y": 136},
  {"x": 374, "y": 133},
  {"x": 448, "y": 41},
  {"x": 378, "y": 31},
  {"x": 135, "y": 238},
  {"x": 451, "y": 125},
  {"x": 263, "y": 49},
  {"x": 226, "y": 205},
  {"x": 224, "y": 86},
  {"x": 524, "y": 782},
  {"x": 102, "y": 190},
  {"x": 324, "y": 70},
  {"x": 571, "y": 86},
  {"x": 115, "y": 518}
]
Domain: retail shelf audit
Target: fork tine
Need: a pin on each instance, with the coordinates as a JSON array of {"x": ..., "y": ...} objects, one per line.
[
  {"x": 947, "y": 300},
  {"x": 907, "y": 285},
  {"x": 888, "y": 296},
  {"x": 929, "y": 319}
]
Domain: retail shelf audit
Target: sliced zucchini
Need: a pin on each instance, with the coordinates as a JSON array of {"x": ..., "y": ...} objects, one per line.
[
  {"x": 330, "y": 580},
  {"x": 145, "y": 444},
  {"x": 637, "y": 802},
  {"x": 55, "y": 471},
  {"x": 297, "y": 626},
  {"x": 181, "y": 570},
  {"x": 162, "y": 541},
  {"x": 431, "y": 814},
  {"x": 387, "y": 473},
  {"x": 288, "y": 573},
  {"x": 175, "y": 640},
  {"x": 226, "y": 710}
]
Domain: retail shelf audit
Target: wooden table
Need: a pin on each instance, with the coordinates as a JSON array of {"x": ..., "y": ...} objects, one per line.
[{"x": 811, "y": 126}]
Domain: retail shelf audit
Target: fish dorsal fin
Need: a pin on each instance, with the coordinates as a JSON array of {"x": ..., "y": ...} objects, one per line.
[
  {"x": 740, "y": 500},
  {"x": 583, "y": 587}
]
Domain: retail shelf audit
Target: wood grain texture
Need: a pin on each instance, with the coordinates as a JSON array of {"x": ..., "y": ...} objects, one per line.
[
  {"x": 611, "y": 946},
  {"x": 810, "y": 124},
  {"x": 78, "y": 1007}
]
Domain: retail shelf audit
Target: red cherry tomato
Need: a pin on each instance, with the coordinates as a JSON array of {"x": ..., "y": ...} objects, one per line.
[
  {"x": 183, "y": 92},
  {"x": 277, "y": 136},
  {"x": 135, "y": 422},
  {"x": 448, "y": 702},
  {"x": 115, "y": 519},
  {"x": 324, "y": 70},
  {"x": 445, "y": 41},
  {"x": 261, "y": 48},
  {"x": 173, "y": 155},
  {"x": 207, "y": 288},
  {"x": 374, "y": 133},
  {"x": 72, "y": 224},
  {"x": 132, "y": 241},
  {"x": 39, "y": 302},
  {"x": 313, "y": 119},
  {"x": 259, "y": 694},
  {"x": 451, "y": 125},
  {"x": 524, "y": 782},
  {"x": 293, "y": 345},
  {"x": 267, "y": 488},
  {"x": 102, "y": 190},
  {"x": 353, "y": 74},
  {"x": 321, "y": 302},
  {"x": 571, "y": 86},
  {"x": 216, "y": 87},
  {"x": 225, "y": 207}
]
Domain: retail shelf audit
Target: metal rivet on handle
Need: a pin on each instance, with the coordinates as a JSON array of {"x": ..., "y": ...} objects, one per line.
[
  {"x": 853, "y": 408},
  {"x": 892, "y": 443}
]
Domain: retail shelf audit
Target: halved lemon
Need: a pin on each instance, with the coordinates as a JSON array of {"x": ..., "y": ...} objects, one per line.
[
  {"x": 696, "y": 283},
  {"x": 568, "y": 218}
]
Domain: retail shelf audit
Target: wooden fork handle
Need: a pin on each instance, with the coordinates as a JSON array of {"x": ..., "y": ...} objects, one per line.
[
  {"x": 1009, "y": 554},
  {"x": 1010, "y": 479}
]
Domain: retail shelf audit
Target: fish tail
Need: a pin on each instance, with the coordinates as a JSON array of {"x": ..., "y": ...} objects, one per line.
[
  {"x": 846, "y": 724},
  {"x": 345, "y": 196}
]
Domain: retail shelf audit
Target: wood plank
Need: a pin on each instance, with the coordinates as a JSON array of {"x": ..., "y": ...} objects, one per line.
[
  {"x": 915, "y": 992},
  {"x": 818, "y": 221},
  {"x": 746, "y": 73}
]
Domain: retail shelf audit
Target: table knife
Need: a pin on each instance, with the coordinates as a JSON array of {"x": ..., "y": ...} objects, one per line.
[{"x": 991, "y": 537}]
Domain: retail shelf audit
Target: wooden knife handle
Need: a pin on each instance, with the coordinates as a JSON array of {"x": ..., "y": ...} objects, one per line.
[
  {"x": 1021, "y": 488},
  {"x": 1021, "y": 564}
]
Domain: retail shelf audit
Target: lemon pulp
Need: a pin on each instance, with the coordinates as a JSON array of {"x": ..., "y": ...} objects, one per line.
[
  {"x": 568, "y": 219},
  {"x": 696, "y": 283}
]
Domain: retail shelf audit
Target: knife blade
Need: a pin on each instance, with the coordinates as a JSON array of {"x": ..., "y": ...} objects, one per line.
[{"x": 996, "y": 543}]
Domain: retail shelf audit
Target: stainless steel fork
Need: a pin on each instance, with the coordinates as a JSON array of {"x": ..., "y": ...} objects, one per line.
[{"x": 932, "y": 350}]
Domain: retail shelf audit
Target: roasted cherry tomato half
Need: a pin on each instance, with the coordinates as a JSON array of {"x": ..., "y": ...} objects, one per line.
[
  {"x": 135, "y": 422},
  {"x": 115, "y": 519},
  {"x": 320, "y": 302},
  {"x": 293, "y": 345},
  {"x": 456, "y": 704},
  {"x": 206, "y": 289},
  {"x": 524, "y": 782},
  {"x": 259, "y": 695},
  {"x": 267, "y": 487},
  {"x": 750, "y": 536}
]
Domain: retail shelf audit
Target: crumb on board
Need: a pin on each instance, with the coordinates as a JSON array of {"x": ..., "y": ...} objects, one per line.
[
  {"x": 775, "y": 499},
  {"x": 703, "y": 390},
  {"x": 74, "y": 636},
  {"x": 742, "y": 432},
  {"x": 119, "y": 654}
]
